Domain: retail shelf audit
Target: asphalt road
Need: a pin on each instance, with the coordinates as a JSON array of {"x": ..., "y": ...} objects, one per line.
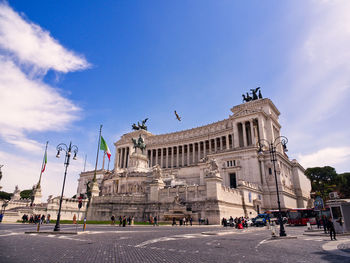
[{"x": 167, "y": 244}]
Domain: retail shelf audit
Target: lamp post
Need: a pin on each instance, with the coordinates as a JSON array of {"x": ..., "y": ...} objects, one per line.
[
  {"x": 273, "y": 157},
  {"x": 68, "y": 150}
]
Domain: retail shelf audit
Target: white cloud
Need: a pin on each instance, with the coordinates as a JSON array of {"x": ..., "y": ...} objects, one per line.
[
  {"x": 318, "y": 79},
  {"x": 320, "y": 64},
  {"x": 326, "y": 157},
  {"x": 28, "y": 104},
  {"x": 33, "y": 45}
]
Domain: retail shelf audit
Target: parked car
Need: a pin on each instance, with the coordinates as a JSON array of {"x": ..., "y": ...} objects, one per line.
[{"x": 261, "y": 220}]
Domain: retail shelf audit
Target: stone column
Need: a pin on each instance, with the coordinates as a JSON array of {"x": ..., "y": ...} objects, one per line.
[
  {"x": 156, "y": 156},
  {"x": 161, "y": 158},
  {"x": 167, "y": 157},
  {"x": 199, "y": 151},
  {"x": 252, "y": 132},
  {"x": 123, "y": 157},
  {"x": 127, "y": 157},
  {"x": 209, "y": 146},
  {"x": 151, "y": 157},
  {"x": 188, "y": 154},
  {"x": 227, "y": 142},
  {"x": 182, "y": 155},
  {"x": 193, "y": 152},
  {"x": 204, "y": 149},
  {"x": 215, "y": 145},
  {"x": 261, "y": 129},
  {"x": 119, "y": 154},
  {"x": 244, "y": 135},
  {"x": 235, "y": 138},
  {"x": 221, "y": 143},
  {"x": 177, "y": 156},
  {"x": 172, "y": 157}
]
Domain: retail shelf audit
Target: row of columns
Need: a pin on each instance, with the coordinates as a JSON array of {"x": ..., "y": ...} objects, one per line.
[
  {"x": 171, "y": 156},
  {"x": 246, "y": 134},
  {"x": 123, "y": 157},
  {"x": 243, "y": 135}
]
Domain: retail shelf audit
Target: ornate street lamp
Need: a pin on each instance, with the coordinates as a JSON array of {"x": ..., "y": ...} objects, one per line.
[
  {"x": 272, "y": 150},
  {"x": 68, "y": 150}
]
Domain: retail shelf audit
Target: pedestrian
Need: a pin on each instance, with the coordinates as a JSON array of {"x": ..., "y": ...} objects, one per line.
[
  {"x": 324, "y": 223},
  {"x": 124, "y": 221},
  {"x": 129, "y": 220},
  {"x": 207, "y": 222},
  {"x": 112, "y": 220},
  {"x": 47, "y": 220},
  {"x": 190, "y": 221},
  {"x": 1, "y": 217},
  {"x": 331, "y": 229},
  {"x": 318, "y": 222},
  {"x": 42, "y": 219},
  {"x": 174, "y": 222},
  {"x": 155, "y": 221},
  {"x": 120, "y": 220}
]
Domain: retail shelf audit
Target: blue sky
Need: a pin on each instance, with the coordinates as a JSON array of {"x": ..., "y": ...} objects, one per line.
[{"x": 69, "y": 66}]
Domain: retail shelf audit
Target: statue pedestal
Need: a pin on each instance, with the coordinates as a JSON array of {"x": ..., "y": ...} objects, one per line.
[
  {"x": 138, "y": 162},
  {"x": 37, "y": 196},
  {"x": 16, "y": 194},
  {"x": 95, "y": 191}
]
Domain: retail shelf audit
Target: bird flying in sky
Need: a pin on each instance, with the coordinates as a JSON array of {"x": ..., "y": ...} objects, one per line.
[{"x": 177, "y": 116}]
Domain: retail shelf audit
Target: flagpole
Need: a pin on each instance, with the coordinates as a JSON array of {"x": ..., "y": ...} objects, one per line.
[
  {"x": 98, "y": 149},
  {"x": 93, "y": 180},
  {"x": 42, "y": 166}
]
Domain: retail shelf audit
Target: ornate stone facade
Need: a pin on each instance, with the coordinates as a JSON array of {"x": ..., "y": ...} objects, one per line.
[{"x": 212, "y": 171}]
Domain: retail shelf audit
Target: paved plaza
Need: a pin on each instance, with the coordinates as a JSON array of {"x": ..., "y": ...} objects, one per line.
[{"x": 102, "y": 243}]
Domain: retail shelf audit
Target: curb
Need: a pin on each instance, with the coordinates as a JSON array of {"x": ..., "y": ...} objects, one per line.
[
  {"x": 286, "y": 237},
  {"x": 51, "y": 233}
]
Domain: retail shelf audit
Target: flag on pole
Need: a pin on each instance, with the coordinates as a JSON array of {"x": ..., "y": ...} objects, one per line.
[
  {"x": 104, "y": 147},
  {"x": 45, "y": 162}
]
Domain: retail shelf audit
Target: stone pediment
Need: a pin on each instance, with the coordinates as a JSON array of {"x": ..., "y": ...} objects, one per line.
[{"x": 245, "y": 112}]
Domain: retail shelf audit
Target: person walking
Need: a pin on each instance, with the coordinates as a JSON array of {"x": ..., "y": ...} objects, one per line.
[
  {"x": 318, "y": 222},
  {"x": 190, "y": 221},
  {"x": 324, "y": 223},
  {"x": 112, "y": 220},
  {"x": 331, "y": 228},
  {"x": 120, "y": 220},
  {"x": 174, "y": 222}
]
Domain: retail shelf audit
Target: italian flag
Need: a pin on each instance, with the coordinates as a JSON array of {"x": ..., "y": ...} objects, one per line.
[
  {"x": 104, "y": 147},
  {"x": 45, "y": 162}
]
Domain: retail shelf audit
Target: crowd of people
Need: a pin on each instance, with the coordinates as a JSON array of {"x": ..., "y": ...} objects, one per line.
[
  {"x": 238, "y": 222},
  {"x": 36, "y": 219},
  {"x": 123, "y": 221},
  {"x": 185, "y": 221}
]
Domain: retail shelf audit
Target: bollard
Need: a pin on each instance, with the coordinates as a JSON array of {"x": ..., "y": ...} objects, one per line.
[
  {"x": 308, "y": 226},
  {"x": 273, "y": 229},
  {"x": 84, "y": 227},
  {"x": 38, "y": 227}
]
